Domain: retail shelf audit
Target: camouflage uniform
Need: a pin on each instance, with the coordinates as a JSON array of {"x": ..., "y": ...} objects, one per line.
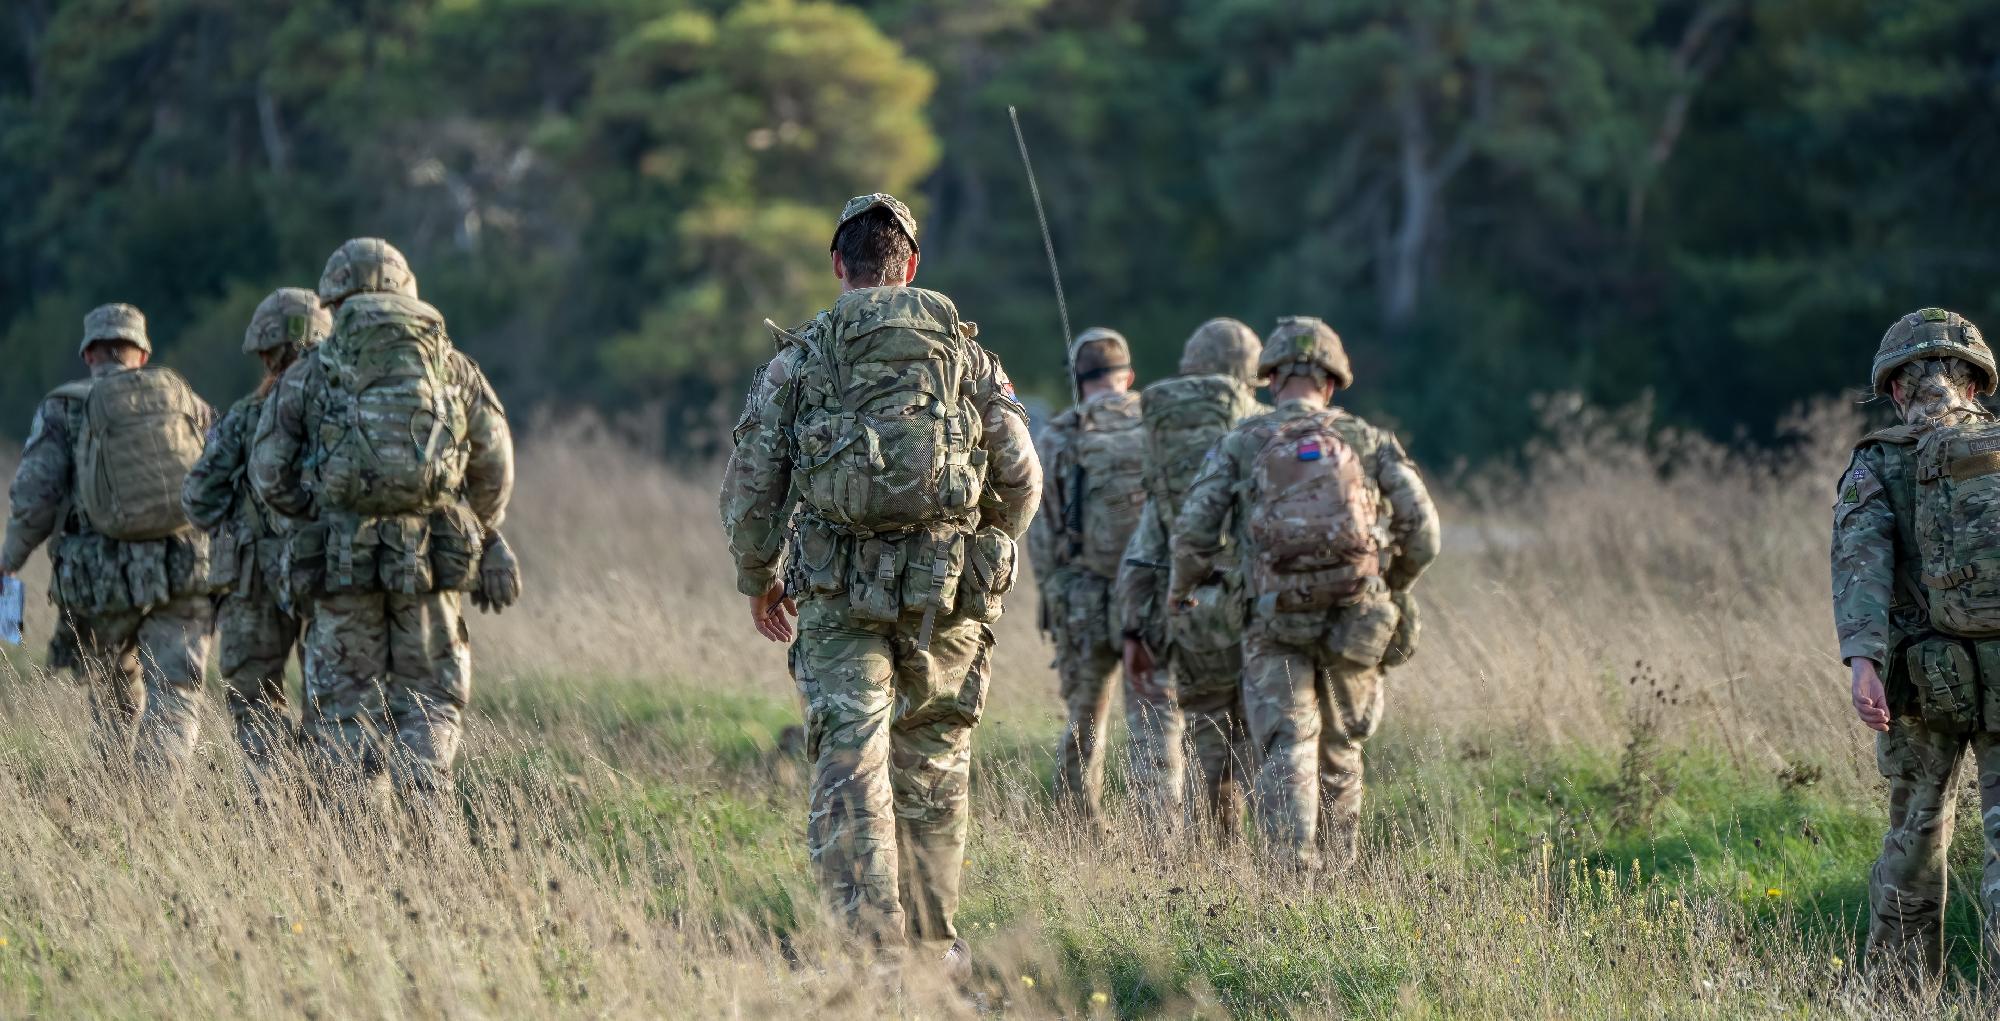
[
  {"x": 1080, "y": 612},
  {"x": 256, "y": 628},
  {"x": 1880, "y": 614},
  {"x": 1202, "y": 650},
  {"x": 135, "y": 616},
  {"x": 385, "y": 664},
  {"x": 888, "y": 725},
  {"x": 1312, "y": 686}
]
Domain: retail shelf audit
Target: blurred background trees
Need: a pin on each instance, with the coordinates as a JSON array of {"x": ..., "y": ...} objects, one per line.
[{"x": 1716, "y": 202}]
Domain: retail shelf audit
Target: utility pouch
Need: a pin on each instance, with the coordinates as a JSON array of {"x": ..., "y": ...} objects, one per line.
[
  {"x": 456, "y": 545},
  {"x": 822, "y": 565},
  {"x": 403, "y": 554},
  {"x": 992, "y": 563},
  {"x": 933, "y": 566},
  {"x": 1946, "y": 683},
  {"x": 875, "y": 585},
  {"x": 350, "y": 556},
  {"x": 304, "y": 565},
  {"x": 1213, "y": 623},
  {"x": 146, "y": 579},
  {"x": 1289, "y": 627},
  {"x": 189, "y": 557},
  {"x": 1361, "y": 632},
  {"x": 225, "y": 559}
]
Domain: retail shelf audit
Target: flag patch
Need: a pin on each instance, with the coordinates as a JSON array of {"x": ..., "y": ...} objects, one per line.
[{"x": 1309, "y": 450}]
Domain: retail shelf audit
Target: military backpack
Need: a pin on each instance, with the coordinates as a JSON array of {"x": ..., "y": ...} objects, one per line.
[
  {"x": 1958, "y": 528},
  {"x": 141, "y": 434},
  {"x": 1313, "y": 523},
  {"x": 393, "y": 436},
  {"x": 1185, "y": 416},
  {"x": 1107, "y": 484}
]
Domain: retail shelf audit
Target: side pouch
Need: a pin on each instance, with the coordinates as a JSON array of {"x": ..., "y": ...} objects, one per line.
[
  {"x": 1215, "y": 622},
  {"x": 934, "y": 565},
  {"x": 1946, "y": 684},
  {"x": 351, "y": 547},
  {"x": 820, "y": 559},
  {"x": 146, "y": 573},
  {"x": 403, "y": 554},
  {"x": 304, "y": 566},
  {"x": 190, "y": 558},
  {"x": 992, "y": 563},
  {"x": 225, "y": 558},
  {"x": 876, "y": 582},
  {"x": 456, "y": 544},
  {"x": 1361, "y": 632},
  {"x": 1289, "y": 627}
]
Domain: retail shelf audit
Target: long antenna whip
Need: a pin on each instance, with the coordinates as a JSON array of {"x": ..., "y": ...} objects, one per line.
[{"x": 1049, "y": 247}]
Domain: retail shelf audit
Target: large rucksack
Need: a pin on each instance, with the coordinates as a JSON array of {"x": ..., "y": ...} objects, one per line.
[
  {"x": 1958, "y": 528},
  {"x": 141, "y": 434},
  {"x": 888, "y": 436},
  {"x": 393, "y": 436},
  {"x": 1108, "y": 456},
  {"x": 1313, "y": 523},
  {"x": 1185, "y": 416}
]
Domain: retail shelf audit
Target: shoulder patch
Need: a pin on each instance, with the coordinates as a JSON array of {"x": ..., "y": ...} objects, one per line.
[
  {"x": 1857, "y": 485},
  {"x": 1006, "y": 389}
]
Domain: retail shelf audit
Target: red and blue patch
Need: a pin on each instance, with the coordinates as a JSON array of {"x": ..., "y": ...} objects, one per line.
[{"x": 1310, "y": 450}]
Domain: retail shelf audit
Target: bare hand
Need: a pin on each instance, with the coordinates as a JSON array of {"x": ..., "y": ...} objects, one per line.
[
  {"x": 1139, "y": 667},
  {"x": 1871, "y": 703},
  {"x": 770, "y": 613}
]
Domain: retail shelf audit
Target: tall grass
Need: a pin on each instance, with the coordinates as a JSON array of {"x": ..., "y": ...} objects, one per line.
[{"x": 1619, "y": 780}]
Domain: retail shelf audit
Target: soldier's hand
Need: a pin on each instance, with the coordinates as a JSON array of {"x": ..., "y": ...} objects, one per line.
[
  {"x": 499, "y": 576},
  {"x": 771, "y": 613},
  {"x": 1140, "y": 667},
  {"x": 1871, "y": 703}
]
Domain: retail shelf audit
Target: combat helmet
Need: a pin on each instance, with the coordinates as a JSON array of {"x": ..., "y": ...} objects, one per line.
[
  {"x": 1098, "y": 351},
  {"x": 1306, "y": 339},
  {"x": 288, "y": 317},
  {"x": 1933, "y": 333},
  {"x": 116, "y": 321},
  {"x": 366, "y": 264},
  {"x": 1224, "y": 347}
]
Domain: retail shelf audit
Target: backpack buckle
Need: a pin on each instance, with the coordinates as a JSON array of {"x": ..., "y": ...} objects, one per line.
[{"x": 1953, "y": 578}]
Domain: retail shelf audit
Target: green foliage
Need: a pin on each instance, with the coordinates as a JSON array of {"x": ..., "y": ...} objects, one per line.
[{"x": 607, "y": 197}]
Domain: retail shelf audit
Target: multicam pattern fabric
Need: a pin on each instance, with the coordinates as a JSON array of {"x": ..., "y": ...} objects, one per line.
[
  {"x": 1906, "y": 888},
  {"x": 144, "y": 668},
  {"x": 1312, "y": 688},
  {"x": 387, "y": 679}
]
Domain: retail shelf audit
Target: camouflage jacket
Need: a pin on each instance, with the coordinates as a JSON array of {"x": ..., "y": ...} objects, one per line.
[
  {"x": 286, "y": 447},
  {"x": 219, "y": 499},
  {"x": 1050, "y": 536},
  {"x": 758, "y": 499},
  {"x": 1410, "y": 536},
  {"x": 1876, "y": 601},
  {"x": 44, "y": 486}
]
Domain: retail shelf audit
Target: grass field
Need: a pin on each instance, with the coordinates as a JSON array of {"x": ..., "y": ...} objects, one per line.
[{"x": 1621, "y": 780}]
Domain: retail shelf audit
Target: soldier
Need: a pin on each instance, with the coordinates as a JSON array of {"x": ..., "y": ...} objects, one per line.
[
  {"x": 1185, "y": 416},
  {"x": 101, "y": 474},
  {"x": 1337, "y": 527},
  {"x": 1916, "y": 610},
  {"x": 390, "y": 453},
  {"x": 257, "y": 628},
  {"x": 895, "y": 445},
  {"x": 1095, "y": 457}
]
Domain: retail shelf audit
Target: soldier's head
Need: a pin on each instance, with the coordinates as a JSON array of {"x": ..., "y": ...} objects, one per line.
[
  {"x": 875, "y": 243},
  {"x": 1934, "y": 364},
  {"x": 289, "y": 322},
  {"x": 1222, "y": 347},
  {"x": 365, "y": 265},
  {"x": 1304, "y": 359},
  {"x": 1102, "y": 361},
  {"x": 115, "y": 333}
]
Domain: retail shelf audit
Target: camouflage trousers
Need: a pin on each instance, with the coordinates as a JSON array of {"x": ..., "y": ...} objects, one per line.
[
  {"x": 889, "y": 733},
  {"x": 388, "y": 676},
  {"x": 1309, "y": 712},
  {"x": 1906, "y": 889},
  {"x": 144, "y": 669},
  {"x": 255, "y": 639},
  {"x": 1208, "y": 686},
  {"x": 1089, "y": 662}
]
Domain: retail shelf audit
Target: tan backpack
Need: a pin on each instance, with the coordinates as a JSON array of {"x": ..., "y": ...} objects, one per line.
[
  {"x": 141, "y": 434},
  {"x": 1313, "y": 523},
  {"x": 1108, "y": 487},
  {"x": 393, "y": 439},
  {"x": 1958, "y": 528}
]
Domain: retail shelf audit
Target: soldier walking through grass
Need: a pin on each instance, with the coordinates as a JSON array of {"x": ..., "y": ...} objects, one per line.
[
  {"x": 100, "y": 481},
  {"x": 1338, "y": 527},
  {"x": 1916, "y": 604},
  {"x": 896, "y": 447}
]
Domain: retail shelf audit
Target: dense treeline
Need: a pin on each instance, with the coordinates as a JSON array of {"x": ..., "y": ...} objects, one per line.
[{"x": 1721, "y": 202}]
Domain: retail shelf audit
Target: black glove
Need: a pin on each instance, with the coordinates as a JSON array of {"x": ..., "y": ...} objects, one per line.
[
  {"x": 499, "y": 576},
  {"x": 1409, "y": 625}
]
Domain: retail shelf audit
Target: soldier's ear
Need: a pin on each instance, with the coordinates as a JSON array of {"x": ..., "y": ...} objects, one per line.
[
  {"x": 910, "y": 271},
  {"x": 839, "y": 268}
]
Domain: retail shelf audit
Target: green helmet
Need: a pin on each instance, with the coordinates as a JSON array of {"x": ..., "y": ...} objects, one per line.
[
  {"x": 116, "y": 321},
  {"x": 1224, "y": 347},
  {"x": 288, "y": 317},
  {"x": 366, "y": 264},
  {"x": 1306, "y": 339},
  {"x": 1099, "y": 350},
  {"x": 1933, "y": 333}
]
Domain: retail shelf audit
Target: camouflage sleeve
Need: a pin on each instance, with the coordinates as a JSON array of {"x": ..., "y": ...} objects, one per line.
[
  {"x": 757, "y": 482},
  {"x": 1045, "y": 531},
  {"x": 1864, "y": 560},
  {"x": 489, "y": 471},
  {"x": 1013, "y": 468},
  {"x": 41, "y": 486},
  {"x": 209, "y": 493},
  {"x": 1198, "y": 532},
  {"x": 1413, "y": 518},
  {"x": 277, "y": 455},
  {"x": 1143, "y": 573}
]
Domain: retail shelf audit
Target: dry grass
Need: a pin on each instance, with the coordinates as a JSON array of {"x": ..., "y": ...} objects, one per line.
[{"x": 1578, "y": 807}]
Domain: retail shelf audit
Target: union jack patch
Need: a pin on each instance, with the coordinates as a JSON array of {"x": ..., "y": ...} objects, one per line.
[{"x": 1007, "y": 391}]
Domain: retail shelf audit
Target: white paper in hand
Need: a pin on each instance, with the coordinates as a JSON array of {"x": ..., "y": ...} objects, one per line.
[{"x": 11, "y": 605}]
